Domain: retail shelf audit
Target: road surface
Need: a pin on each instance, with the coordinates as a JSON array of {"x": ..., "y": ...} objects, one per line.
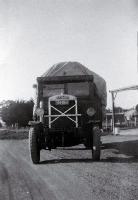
[{"x": 70, "y": 174}]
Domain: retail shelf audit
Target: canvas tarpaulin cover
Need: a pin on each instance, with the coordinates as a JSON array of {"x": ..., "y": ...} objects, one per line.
[{"x": 75, "y": 68}]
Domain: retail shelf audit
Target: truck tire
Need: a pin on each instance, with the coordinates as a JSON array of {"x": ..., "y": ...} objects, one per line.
[
  {"x": 33, "y": 146},
  {"x": 96, "y": 150}
]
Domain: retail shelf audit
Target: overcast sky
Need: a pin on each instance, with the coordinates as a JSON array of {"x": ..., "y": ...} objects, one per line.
[{"x": 35, "y": 34}]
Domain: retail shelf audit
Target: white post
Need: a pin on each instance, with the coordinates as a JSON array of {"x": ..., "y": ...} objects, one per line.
[
  {"x": 111, "y": 122},
  {"x": 106, "y": 122},
  {"x": 113, "y": 112},
  {"x": 76, "y": 112},
  {"x": 49, "y": 113},
  {"x": 41, "y": 106},
  {"x": 135, "y": 121}
]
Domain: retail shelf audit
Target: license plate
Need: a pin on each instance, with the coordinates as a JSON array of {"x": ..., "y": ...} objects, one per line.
[{"x": 62, "y": 102}]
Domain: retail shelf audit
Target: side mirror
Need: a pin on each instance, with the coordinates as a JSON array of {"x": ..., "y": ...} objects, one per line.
[{"x": 34, "y": 86}]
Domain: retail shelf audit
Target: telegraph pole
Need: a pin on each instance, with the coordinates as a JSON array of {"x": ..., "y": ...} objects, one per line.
[
  {"x": 137, "y": 51},
  {"x": 113, "y": 112}
]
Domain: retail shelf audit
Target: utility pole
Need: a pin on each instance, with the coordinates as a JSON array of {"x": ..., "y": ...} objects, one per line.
[
  {"x": 137, "y": 51},
  {"x": 113, "y": 112}
]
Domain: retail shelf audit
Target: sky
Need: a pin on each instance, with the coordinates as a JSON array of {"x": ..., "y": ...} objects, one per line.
[{"x": 100, "y": 34}]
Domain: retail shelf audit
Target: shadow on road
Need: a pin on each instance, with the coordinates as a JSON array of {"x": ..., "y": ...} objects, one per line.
[
  {"x": 121, "y": 152},
  {"x": 57, "y": 161},
  {"x": 133, "y": 159},
  {"x": 129, "y": 150}
]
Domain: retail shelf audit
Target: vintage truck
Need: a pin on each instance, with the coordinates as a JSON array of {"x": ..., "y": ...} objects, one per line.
[{"x": 69, "y": 109}]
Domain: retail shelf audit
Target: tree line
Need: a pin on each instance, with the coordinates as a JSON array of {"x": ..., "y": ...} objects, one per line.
[{"x": 17, "y": 113}]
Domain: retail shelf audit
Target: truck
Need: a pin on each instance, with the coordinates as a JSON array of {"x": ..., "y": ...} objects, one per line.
[{"x": 69, "y": 109}]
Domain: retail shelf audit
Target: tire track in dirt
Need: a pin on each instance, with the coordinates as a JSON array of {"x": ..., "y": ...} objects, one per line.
[
  {"x": 60, "y": 178},
  {"x": 18, "y": 180},
  {"x": 70, "y": 174},
  {"x": 36, "y": 187},
  {"x": 5, "y": 189}
]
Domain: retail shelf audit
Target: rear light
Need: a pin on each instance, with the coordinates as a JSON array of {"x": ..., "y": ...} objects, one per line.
[
  {"x": 90, "y": 111},
  {"x": 39, "y": 111}
]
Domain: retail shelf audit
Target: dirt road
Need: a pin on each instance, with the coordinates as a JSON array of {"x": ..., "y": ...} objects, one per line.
[{"x": 70, "y": 174}]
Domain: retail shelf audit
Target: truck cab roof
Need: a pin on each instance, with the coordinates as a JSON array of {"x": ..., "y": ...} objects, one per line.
[{"x": 65, "y": 79}]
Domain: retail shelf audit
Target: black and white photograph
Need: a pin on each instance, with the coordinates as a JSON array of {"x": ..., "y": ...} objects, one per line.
[{"x": 68, "y": 100}]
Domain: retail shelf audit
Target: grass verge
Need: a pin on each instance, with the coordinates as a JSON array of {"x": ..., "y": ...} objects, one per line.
[{"x": 18, "y": 134}]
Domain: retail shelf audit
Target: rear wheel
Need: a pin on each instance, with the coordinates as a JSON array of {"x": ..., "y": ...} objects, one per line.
[
  {"x": 96, "y": 150},
  {"x": 33, "y": 146}
]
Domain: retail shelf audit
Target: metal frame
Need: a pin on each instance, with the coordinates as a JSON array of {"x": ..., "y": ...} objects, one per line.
[
  {"x": 114, "y": 94},
  {"x": 62, "y": 114}
]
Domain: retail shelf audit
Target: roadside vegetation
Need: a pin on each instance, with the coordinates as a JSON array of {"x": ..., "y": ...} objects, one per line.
[
  {"x": 10, "y": 134},
  {"x": 17, "y": 113}
]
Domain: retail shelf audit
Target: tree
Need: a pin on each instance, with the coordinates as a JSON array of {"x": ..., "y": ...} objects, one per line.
[
  {"x": 17, "y": 112},
  {"x": 137, "y": 107}
]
